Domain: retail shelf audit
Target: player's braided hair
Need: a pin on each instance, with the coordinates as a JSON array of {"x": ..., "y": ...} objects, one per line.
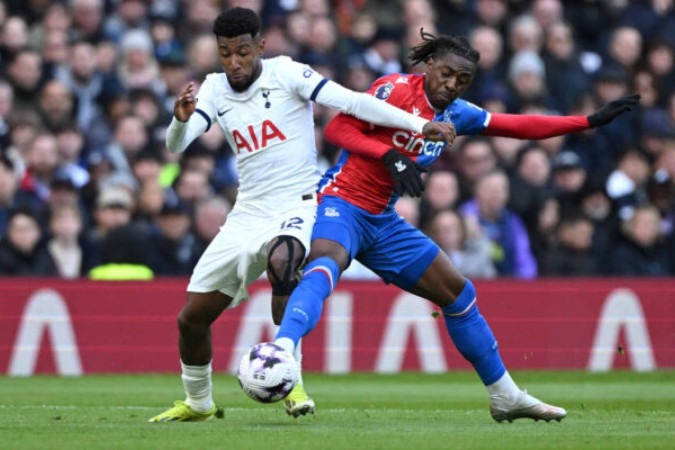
[
  {"x": 235, "y": 22},
  {"x": 435, "y": 46}
]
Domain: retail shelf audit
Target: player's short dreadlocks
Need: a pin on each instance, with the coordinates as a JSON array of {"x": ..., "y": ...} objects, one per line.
[
  {"x": 237, "y": 21},
  {"x": 436, "y": 46}
]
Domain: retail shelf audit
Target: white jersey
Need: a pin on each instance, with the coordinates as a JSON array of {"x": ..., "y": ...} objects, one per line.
[{"x": 270, "y": 127}]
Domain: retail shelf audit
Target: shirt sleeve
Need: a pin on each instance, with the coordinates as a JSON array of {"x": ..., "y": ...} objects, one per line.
[
  {"x": 350, "y": 133},
  {"x": 529, "y": 126},
  {"x": 312, "y": 86},
  {"x": 180, "y": 134}
]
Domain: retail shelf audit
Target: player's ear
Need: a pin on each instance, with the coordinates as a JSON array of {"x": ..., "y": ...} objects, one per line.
[{"x": 261, "y": 45}]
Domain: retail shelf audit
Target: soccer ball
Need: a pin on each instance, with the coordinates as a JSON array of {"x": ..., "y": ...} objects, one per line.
[{"x": 267, "y": 372}]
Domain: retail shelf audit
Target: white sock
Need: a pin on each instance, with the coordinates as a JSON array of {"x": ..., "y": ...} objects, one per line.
[
  {"x": 505, "y": 387},
  {"x": 197, "y": 382},
  {"x": 286, "y": 344},
  {"x": 298, "y": 357}
]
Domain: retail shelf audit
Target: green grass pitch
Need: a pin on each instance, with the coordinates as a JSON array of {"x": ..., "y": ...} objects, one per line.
[{"x": 618, "y": 410}]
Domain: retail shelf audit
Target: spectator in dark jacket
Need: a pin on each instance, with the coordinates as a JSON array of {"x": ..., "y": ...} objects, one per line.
[
  {"x": 572, "y": 254},
  {"x": 22, "y": 252},
  {"x": 641, "y": 251}
]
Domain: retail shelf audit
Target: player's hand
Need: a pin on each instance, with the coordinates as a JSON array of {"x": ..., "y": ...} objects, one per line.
[
  {"x": 185, "y": 103},
  {"x": 612, "y": 110},
  {"x": 440, "y": 131},
  {"x": 407, "y": 174}
]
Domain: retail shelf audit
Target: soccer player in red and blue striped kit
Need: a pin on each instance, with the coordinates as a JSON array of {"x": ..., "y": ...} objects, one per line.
[{"x": 356, "y": 217}]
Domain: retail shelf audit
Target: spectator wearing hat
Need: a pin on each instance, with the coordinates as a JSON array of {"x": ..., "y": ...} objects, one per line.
[
  {"x": 174, "y": 247},
  {"x": 63, "y": 192},
  {"x": 568, "y": 178},
  {"x": 138, "y": 67},
  {"x": 114, "y": 207},
  {"x": 527, "y": 82},
  {"x": 175, "y": 73}
]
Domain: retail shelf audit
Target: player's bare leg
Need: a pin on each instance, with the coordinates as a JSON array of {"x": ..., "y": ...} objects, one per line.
[
  {"x": 445, "y": 286},
  {"x": 285, "y": 258},
  {"x": 194, "y": 326}
]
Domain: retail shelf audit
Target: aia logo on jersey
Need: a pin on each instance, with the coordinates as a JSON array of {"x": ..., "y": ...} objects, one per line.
[
  {"x": 384, "y": 91},
  {"x": 254, "y": 138}
]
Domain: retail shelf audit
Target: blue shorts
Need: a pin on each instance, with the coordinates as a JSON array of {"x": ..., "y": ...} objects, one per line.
[{"x": 385, "y": 243}]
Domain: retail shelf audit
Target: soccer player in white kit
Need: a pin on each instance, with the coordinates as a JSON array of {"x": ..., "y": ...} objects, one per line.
[{"x": 264, "y": 108}]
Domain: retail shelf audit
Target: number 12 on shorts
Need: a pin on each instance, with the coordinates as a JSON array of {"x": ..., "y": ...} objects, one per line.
[{"x": 293, "y": 222}]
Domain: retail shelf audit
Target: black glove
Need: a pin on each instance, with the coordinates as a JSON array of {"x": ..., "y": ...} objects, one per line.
[
  {"x": 612, "y": 110},
  {"x": 405, "y": 172}
]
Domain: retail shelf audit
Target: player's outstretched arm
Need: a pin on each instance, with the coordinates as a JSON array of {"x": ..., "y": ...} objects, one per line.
[
  {"x": 370, "y": 109},
  {"x": 542, "y": 127}
]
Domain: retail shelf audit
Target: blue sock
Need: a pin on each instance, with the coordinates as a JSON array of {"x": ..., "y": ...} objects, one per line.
[
  {"x": 472, "y": 335},
  {"x": 306, "y": 302}
]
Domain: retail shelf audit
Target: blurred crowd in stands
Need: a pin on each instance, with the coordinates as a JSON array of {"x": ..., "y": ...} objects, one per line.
[{"x": 87, "y": 89}]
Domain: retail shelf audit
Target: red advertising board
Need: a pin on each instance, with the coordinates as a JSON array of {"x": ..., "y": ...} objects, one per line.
[{"x": 79, "y": 327}]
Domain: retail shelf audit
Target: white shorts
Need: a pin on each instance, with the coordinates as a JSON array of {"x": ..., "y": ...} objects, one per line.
[{"x": 237, "y": 256}]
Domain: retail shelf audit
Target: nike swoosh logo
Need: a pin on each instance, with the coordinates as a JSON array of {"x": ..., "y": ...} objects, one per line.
[{"x": 223, "y": 112}]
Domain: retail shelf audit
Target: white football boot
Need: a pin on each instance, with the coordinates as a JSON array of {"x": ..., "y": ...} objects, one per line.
[{"x": 524, "y": 407}]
